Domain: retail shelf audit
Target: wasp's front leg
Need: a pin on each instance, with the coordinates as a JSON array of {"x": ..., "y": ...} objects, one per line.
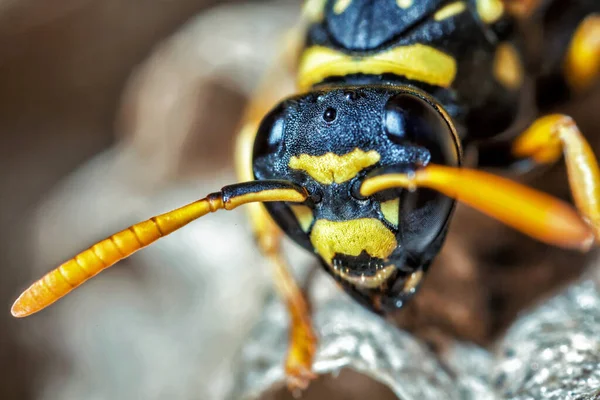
[
  {"x": 278, "y": 83},
  {"x": 303, "y": 341},
  {"x": 298, "y": 365}
]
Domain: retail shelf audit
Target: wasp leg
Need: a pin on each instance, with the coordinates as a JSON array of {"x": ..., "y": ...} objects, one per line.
[
  {"x": 582, "y": 62},
  {"x": 554, "y": 135},
  {"x": 279, "y": 83},
  {"x": 303, "y": 341},
  {"x": 298, "y": 365}
]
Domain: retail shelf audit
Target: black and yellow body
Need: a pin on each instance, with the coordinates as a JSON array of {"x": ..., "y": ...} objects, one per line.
[
  {"x": 389, "y": 84},
  {"x": 446, "y": 48},
  {"x": 364, "y": 166}
]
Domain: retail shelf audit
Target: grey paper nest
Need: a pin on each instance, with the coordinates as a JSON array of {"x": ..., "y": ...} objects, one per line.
[{"x": 551, "y": 352}]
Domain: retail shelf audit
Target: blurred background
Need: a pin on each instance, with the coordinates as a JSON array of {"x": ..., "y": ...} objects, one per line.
[
  {"x": 112, "y": 111},
  {"x": 63, "y": 68}
]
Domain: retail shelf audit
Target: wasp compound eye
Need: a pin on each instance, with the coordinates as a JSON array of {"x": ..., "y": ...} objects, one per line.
[
  {"x": 409, "y": 119},
  {"x": 270, "y": 132}
]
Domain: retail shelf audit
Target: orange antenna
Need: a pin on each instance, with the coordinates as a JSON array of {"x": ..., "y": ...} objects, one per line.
[
  {"x": 104, "y": 254},
  {"x": 532, "y": 212}
]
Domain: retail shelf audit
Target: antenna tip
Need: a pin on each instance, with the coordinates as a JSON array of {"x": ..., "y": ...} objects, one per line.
[{"x": 21, "y": 307}]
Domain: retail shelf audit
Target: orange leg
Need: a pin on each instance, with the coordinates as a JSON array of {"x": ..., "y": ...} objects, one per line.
[
  {"x": 303, "y": 341},
  {"x": 279, "y": 83},
  {"x": 298, "y": 366},
  {"x": 582, "y": 62},
  {"x": 555, "y": 135}
]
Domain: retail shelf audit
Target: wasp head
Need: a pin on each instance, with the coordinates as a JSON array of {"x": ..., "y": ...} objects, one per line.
[{"x": 328, "y": 141}]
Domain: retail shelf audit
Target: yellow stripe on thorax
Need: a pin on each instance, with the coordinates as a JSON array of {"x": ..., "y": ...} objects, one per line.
[
  {"x": 417, "y": 62},
  {"x": 330, "y": 167},
  {"x": 490, "y": 11},
  {"x": 450, "y": 10},
  {"x": 582, "y": 62}
]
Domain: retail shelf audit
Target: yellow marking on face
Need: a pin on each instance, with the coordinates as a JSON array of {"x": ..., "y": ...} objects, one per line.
[
  {"x": 352, "y": 238},
  {"x": 314, "y": 10},
  {"x": 340, "y": 6},
  {"x": 391, "y": 210},
  {"x": 582, "y": 62},
  {"x": 418, "y": 62},
  {"x": 413, "y": 281},
  {"x": 404, "y": 4},
  {"x": 367, "y": 282},
  {"x": 330, "y": 167},
  {"x": 450, "y": 10},
  {"x": 490, "y": 11},
  {"x": 304, "y": 215},
  {"x": 507, "y": 68}
]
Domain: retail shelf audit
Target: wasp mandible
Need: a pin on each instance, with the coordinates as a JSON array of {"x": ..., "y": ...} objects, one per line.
[{"x": 364, "y": 167}]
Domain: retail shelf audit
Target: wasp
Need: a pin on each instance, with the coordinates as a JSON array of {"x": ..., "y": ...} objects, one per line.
[{"x": 365, "y": 165}]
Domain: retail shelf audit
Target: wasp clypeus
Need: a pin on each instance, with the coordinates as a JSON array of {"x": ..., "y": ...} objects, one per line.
[{"x": 364, "y": 167}]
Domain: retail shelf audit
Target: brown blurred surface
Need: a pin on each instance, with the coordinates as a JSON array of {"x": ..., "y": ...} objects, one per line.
[{"x": 61, "y": 74}]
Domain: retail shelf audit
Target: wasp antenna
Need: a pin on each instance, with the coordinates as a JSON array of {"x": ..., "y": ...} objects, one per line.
[
  {"x": 532, "y": 212},
  {"x": 104, "y": 254}
]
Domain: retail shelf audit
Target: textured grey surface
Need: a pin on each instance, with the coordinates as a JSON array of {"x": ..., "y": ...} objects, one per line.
[
  {"x": 552, "y": 352},
  {"x": 349, "y": 337}
]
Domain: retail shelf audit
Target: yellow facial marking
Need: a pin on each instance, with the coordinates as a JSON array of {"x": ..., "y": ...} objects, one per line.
[
  {"x": 413, "y": 281},
  {"x": 352, "y": 238},
  {"x": 404, "y": 4},
  {"x": 390, "y": 210},
  {"x": 313, "y": 10},
  {"x": 490, "y": 11},
  {"x": 582, "y": 63},
  {"x": 367, "y": 282},
  {"x": 508, "y": 69},
  {"x": 304, "y": 215},
  {"x": 417, "y": 62},
  {"x": 330, "y": 167},
  {"x": 341, "y": 5},
  {"x": 450, "y": 10}
]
